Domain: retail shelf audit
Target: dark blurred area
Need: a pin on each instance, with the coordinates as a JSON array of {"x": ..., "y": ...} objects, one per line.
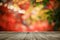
[{"x": 57, "y": 16}]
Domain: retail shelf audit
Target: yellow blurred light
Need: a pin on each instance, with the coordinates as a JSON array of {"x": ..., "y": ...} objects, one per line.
[
  {"x": 1, "y": 4},
  {"x": 16, "y": 8},
  {"x": 15, "y": 1},
  {"x": 21, "y": 11},
  {"x": 39, "y": 0},
  {"x": 41, "y": 6},
  {"x": 10, "y": 7}
]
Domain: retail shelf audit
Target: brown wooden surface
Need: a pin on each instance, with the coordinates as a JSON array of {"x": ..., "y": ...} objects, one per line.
[{"x": 30, "y": 36}]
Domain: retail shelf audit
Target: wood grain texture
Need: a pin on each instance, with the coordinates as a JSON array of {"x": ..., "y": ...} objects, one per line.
[{"x": 29, "y": 35}]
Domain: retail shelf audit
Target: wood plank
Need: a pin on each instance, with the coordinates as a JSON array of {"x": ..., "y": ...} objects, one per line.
[{"x": 29, "y": 35}]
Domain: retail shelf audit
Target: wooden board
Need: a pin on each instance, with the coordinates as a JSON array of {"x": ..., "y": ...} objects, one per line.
[{"x": 29, "y": 35}]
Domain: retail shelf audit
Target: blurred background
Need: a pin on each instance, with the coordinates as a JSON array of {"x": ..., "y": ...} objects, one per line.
[{"x": 29, "y": 15}]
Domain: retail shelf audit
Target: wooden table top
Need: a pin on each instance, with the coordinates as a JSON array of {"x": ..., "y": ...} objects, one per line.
[{"x": 29, "y": 35}]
